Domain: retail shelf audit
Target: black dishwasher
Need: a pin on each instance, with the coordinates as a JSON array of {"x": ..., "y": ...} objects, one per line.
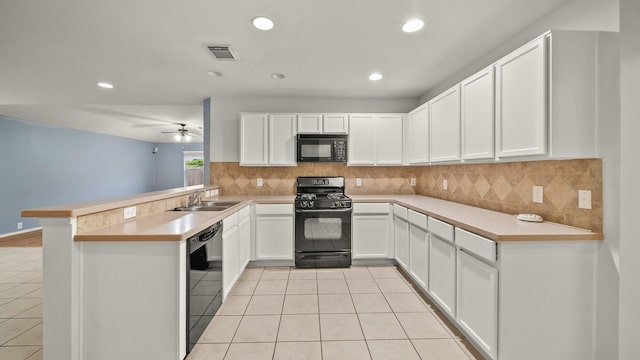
[{"x": 204, "y": 281}]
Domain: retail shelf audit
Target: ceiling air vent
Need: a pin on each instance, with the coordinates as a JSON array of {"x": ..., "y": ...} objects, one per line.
[{"x": 223, "y": 52}]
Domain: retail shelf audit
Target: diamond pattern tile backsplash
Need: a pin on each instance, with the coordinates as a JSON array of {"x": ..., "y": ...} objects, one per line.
[{"x": 504, "y": 187}]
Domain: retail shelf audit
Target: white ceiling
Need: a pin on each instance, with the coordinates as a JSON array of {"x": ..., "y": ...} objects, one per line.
[{"x": 52, "y": 54}]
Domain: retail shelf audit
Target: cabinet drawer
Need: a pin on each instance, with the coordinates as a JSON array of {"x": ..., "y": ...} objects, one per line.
[
  {"x": 476, "y": 244},
  {"x": 370, "y": 208},
  {"x": 274, "y": 209},
  {"x": 441, "y": 229},
  {"x": 229, "y": 222},
  {"x": 244, "y": 212},
  {"x": 400, "y": 211},
  {"x": 418, "y": 219}
]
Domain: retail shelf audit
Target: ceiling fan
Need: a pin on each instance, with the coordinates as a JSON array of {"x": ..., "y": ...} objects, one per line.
[{"x": 182, "y": 135}]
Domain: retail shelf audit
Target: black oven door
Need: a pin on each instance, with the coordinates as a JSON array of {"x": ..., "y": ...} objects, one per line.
[{"x": 323, "y": 237}]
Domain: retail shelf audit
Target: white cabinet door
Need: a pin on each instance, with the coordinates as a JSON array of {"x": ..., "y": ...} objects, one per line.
[
  {"x": 274, "y": 237},
  {"x": 335, "y": 123},
  {"x": 282, "y": 139},
  {"x": 419, "y": 255},
  {"x": 477, "y": 310},
  {"x": 476, "y": 111},
  {"x": 370, "y": 236},
  {"x": 442, "y": 273},
  {"x": 521, "y": 101},
  {"x": 231, "y": 260},
  {"x": 309, "y": 123},
  {"x": 245, "y": 242},
  {"x": 402, "y": 241},
  {"x": 253, "y": 139},
  {"x": 389, "y": 130},
  {"x": 418, "y": 135},
  {"x": 362, "y": 139},
  {"x": 444, "y": 122}
]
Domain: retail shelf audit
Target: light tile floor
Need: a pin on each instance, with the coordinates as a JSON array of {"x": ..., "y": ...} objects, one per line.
[
  {"x": 20, "y": 303},
  {"x": 355, "y": 313},
  {"x": 271, "y": 313}
]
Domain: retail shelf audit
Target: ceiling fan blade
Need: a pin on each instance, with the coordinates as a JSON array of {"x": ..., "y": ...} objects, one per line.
[{"x": 169, "y": 132}]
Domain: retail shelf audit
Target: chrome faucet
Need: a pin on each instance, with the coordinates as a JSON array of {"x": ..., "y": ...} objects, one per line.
[{"x": 195, "y": 198}]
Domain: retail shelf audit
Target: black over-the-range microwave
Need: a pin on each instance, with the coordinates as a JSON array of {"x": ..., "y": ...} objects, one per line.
[{"x": 322, "y": 148}]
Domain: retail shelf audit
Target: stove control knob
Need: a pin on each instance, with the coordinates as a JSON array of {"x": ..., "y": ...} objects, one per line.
[
  {"x": 336, "y": 204},
  {"x": 304, "y": 204},
  {"x": 311, "y": 204}
]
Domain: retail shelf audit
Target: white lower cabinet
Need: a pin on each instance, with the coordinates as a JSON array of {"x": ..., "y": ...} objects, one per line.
[
  {"x": 401, "y": 230},
  {"x": 230, "y": 253},
  {"x": 442, "y": 273},
  {"x": 370, "y": 231},
  {"x": 477, "y": 301},
  {"x": 244, "y": 233},
  {"x": 274, "y": 231},
  {"x": 418, "y": 248}
]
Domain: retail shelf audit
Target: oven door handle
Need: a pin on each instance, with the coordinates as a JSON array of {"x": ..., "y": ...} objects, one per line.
[{"x": 302, "y": 211}]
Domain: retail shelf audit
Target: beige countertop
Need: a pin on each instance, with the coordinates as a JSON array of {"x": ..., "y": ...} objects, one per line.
[
  {"x": 494, "y": 225},
  {"x": 177, "y": 226},
  {"x": 90, "y": 207},
  {"x": 174, "y": 225}
]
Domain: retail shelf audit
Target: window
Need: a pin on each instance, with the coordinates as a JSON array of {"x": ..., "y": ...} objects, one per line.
[{"x": 193, "y": 168}]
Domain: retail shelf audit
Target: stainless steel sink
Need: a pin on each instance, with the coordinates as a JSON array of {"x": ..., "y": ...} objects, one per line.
[{"x": 209, "y": 206}]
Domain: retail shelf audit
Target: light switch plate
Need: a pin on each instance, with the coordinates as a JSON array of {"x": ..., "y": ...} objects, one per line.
[
  {"x": 445, "y": 184},
  {"x": 358, "y": 182},
  {"x": 584, "y": 199},
  {"x": 260, "y": 182},
  {"x": 129, "y": 212},
  {"x": 207, "y": 193},
  {"x": 537, "y": 194},
  {"x": 413, "y": 181}
]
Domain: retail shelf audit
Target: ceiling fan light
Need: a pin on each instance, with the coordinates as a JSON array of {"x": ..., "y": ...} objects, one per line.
[
  {"x": 177, "y": 137},
  {"x": 187, "y": 138}
]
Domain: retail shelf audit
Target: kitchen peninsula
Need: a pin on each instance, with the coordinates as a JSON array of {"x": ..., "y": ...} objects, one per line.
[{"x": 113, "y": 288}]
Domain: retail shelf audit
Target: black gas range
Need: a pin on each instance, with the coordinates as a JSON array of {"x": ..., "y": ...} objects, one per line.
[{"x": 323, "y": 222}]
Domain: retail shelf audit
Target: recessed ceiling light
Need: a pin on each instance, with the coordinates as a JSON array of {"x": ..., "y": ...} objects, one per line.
[
  {"x": 413, "y": 25},
  {"x": 105, "y": 85},
  {"x": 375, "y": 77},
  {"x": 214, "y": 73},
  {"x": 262, "y": 23},
  {"x": 277, "y": 76}
]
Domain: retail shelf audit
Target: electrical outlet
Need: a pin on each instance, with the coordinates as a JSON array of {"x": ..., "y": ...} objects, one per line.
[
  {"x": 216, "y": 192},
  {"x": 207, "y": 193},
  {"x": 445, "y": 184},
  {"x": 129, "y": 212},
  {"x": 19, "y": 226},
  {"x": 584, "y": 199},
  {"x": 537, "y": 194},
  {"x": 260, "y": 182},
  {"x": 413, "y": 181},
  {"x": 358, "y": 182}
]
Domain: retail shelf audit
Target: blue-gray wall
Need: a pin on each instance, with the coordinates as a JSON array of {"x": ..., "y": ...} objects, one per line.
[
  {"x": 42, "y": 165},
  {"x": 169, "y": 164}
]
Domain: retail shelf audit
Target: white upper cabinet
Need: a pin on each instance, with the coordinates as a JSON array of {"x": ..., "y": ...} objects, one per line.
[
  {"x": 521, "y": 101},
  {"x": 361, "y": 139},
  {"x": 389, "y": 130},
  {"x": 282, "y": 139},
  {"x": 323, "y": 123},
  {"x": 476, "y": 112},
  {"x": 253, "y": 139},
  {"x": 418, "y": 135},
  {"x": 267, "y": 139},
  {"x": 309, "y": 123},
  {"x": 444, "y": 120},
  {"x": 546, "y": 97},
  {"x": 335, "y": 123},
  {"x": 375, "y": 139}
]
